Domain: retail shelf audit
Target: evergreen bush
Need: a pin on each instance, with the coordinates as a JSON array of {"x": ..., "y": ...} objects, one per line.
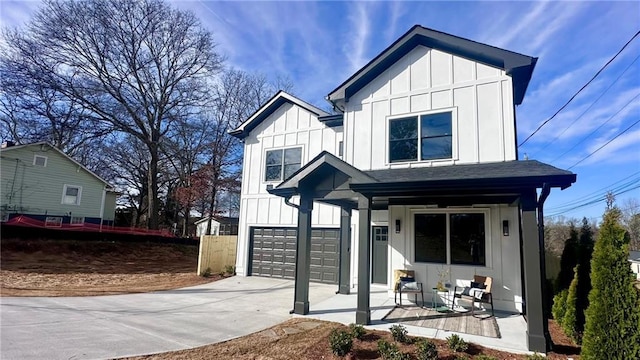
[
  {"x": 568, "y": 260},
  {"x": 612, "y": 326},
  {"x": 569, "y": 319},
  {"x": 559, "y": 303},
  {"x": 340, "y": 342},
  {"x": 585, "y": 252},
  {"x": 426, "y": 350}
]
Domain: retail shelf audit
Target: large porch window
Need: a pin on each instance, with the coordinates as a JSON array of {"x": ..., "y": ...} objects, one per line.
[{"x": 450, "y": 238}]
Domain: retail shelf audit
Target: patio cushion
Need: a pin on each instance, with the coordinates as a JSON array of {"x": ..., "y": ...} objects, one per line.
[
  {"x": 478, "y": 285},
  {"x": 412, "y": 285}
]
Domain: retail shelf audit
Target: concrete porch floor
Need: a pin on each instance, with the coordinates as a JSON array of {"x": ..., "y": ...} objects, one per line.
[{"x": 342, "y": 309}]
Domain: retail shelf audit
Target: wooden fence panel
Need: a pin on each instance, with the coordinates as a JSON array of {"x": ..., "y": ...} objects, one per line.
[{"x": 216, "y": 252}]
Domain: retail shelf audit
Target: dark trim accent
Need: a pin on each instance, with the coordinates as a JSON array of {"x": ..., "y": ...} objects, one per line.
[
  {"x": 266, "y": 110},
  {"x": 332, "y": 120},
  {"x": 363, "y": 312},
  {"x": 344, "y": 282},
  {"x": 519, "y": 67},
  {"x": 303, "y": 256}
]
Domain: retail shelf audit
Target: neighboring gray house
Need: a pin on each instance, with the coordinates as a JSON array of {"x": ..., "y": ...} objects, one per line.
[
  {"x": 634, "y": 259},
  {"x": 418, "y": 169},
  {"x": 220, "y": 225},
  {"x": 45, "y": 184}
]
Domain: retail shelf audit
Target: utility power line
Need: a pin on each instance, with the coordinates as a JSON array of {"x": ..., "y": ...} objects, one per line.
[
  {"x": 592, "y": 104},
  {"x": 605, "y": 144},
  {"x": 594, "y": 202},
  {"x": 582, "y": 88},
  {"x": 599, "y": 192},
  {"x": 598, "y": 128}
]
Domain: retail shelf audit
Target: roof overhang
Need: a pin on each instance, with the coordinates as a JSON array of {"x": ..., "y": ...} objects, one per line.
[
  {"x": 489, "y": 183},
  {"x": 268, "y": 108},
  {"x": 519, "y": 67}
]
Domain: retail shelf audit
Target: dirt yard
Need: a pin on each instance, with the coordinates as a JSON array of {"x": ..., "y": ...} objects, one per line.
[
  {"x": 85, "y": 268},
  {"x": 309, "y": 339}
]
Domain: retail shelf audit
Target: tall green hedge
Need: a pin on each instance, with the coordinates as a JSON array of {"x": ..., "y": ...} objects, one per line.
[
  {"x": 569, "y": 319},
  {"x": 559, "y": 306},
  {"x": 585, "y": 252},
  {"x": 568, "y": 260},
  {"x": 612, "y": 327}
]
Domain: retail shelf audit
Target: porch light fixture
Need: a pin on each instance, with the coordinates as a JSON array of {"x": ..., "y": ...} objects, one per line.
[
  {"x": 505, "y": 227},
  {"x": 397, "y": 226}
]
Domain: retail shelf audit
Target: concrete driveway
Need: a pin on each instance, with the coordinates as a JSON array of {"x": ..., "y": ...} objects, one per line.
[{"x": 123, "y": 325}]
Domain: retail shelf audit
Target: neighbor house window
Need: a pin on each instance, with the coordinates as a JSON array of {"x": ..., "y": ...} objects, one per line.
[
  {"x": 76, "y": 220},
  {"x": 39, "y": 160},
  {"x": 422, "y": 137},
  {"x": 53, "y": 221},
  {"x": 281, "y": 163},
  {"x": 71, "y": 194},
  {"x": 462, "y": 233}
]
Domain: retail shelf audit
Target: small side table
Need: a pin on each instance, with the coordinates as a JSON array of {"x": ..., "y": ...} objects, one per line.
[{"x": 448, "y": 304}]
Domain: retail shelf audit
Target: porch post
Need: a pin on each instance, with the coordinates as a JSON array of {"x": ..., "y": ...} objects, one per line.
[
  {"x": 537, "y": 333},
  {"x": 363, "y": 313},
  {"x": 303, "y": 256},
  {"x": 345, "y": 251}
]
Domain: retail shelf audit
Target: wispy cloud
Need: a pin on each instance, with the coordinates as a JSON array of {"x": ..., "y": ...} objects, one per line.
[{"x": 356, "y": 48}]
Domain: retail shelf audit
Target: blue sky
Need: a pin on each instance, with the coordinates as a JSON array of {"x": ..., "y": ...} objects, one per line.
[{"x": 320, "y": 44}]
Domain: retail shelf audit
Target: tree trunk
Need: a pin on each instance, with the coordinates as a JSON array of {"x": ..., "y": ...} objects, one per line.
[
  {"x": 212, "y": 208},
  {"x": 152, "y": 186}
]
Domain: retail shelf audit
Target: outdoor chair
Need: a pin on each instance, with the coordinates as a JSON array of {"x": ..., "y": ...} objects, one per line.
[
  {"x": 405, "y": 283},
  {"x": 478, "y": 292}
]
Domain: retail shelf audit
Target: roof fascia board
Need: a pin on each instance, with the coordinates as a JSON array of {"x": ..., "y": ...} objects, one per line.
[
  {"x": 517, "y": 65},
  {"x": 268, "y": 108}
]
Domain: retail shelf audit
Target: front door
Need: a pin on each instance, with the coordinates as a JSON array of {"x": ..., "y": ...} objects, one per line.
[{"x": 379, "y": 254}]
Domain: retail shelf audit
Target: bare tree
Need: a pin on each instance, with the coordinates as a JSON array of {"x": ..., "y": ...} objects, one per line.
[{"x": 136, "y": 65}]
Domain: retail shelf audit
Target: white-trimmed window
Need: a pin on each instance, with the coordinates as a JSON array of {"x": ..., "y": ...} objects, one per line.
[
  {"x": 71, "y": 194},
  {"x": 453, "y": 237},
  {"x": 421, "y": 137},
  {"x": 76, "y": 220},
  {"x": 53, "y": 221},
  {"x": 39, "y": 160},
  {"x": 281, "y": 163}
]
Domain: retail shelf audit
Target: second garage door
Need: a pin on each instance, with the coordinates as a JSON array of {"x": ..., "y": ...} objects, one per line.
[{"x": 273, "y": 253}]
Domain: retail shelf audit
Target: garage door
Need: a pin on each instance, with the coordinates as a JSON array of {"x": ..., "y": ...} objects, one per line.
[{"x": 273, "y": 253}]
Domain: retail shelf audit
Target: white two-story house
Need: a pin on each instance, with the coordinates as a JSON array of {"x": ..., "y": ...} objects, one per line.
[{"x": 417, "y": 169}]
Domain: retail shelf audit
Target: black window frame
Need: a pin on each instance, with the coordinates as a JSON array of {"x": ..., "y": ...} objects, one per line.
[
  {"x": 414, "y": 143},
  {"x": 478, "y": 245},
  {"x": 282, "y": 164}
]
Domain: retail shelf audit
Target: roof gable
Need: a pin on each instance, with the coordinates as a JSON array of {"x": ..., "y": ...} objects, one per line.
[
  {"x": 518, "y": 66},
  {"x": 268, "y": 108},
  {"x": 44, "y": 143}
]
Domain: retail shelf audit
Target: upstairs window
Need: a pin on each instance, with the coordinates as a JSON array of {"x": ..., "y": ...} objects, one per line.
[
  {"x": 428, "y": 135},
  {"x": 71, "y": 194},
  {"x": 281, "y": 163},
  {"x": 39, "y": 160}
]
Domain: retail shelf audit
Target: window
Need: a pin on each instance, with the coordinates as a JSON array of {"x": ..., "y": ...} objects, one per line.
[
  {"x": 39, "y": 160},
  {"x": 340, "y": 149},
  {"x": 76, "y": 220},
  {"x": 53, "y": 221},
  {"x": 281, "y": 163},
  {"x": 71, "y": 195},
  {"x": 428, "y": 135},
  {"x": 453, "y": 238}
]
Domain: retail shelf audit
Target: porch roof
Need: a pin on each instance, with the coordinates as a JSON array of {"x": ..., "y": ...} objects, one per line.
[{"x": 499, "y": 182}]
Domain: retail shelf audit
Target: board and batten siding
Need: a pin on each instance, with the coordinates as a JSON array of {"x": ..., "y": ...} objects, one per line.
[
  {"x": 34, "y": 189},
  {"x": 288, "y": 126},
  {"x": 426, "y": 80}
]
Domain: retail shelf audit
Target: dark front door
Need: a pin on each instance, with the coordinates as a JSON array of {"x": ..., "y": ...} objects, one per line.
[{"x": 379, "y": 254}]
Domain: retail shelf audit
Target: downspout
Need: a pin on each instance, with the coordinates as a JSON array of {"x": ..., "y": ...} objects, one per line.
[
  {"x": 287, "y": 200},
  {"x": 546, "y": 190}
]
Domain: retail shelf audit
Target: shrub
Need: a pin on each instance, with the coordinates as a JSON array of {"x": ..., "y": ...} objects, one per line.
[
  {"x": 559, "y": 303},
  {"x": 340, "y": 341},
  {"x": 426, "y": 350},
  {"x": 611, "y": 326},
  {"x": 568, "y": 260},
  {"x": 206, "y": 272},
  {"x": 389, "y": 351},
  {"x": 569, "y": 319},
  {"x": 484, "y": 357},
  {"x": 357, "y": 331},
  {"x": 399, "y": 334},
  {"x": 230, "y": 269},
  {"x": 457, "y": 344}
]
